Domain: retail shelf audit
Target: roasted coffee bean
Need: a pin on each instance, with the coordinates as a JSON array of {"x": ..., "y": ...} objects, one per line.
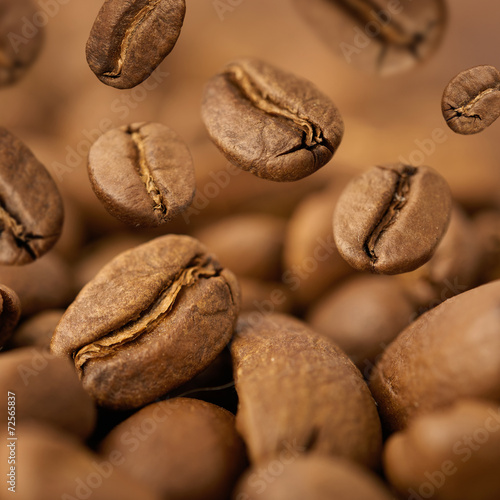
[
  {"x": 312, "y": 477},
  {"x": 296, "y": 387},
  {"x": 193, "y": 451},
  {"x": 471, "y": 101},
  {"x": 37, "y": 330},
  {"x": 457, "y": 449},
  {"x": 142, "y": 173},
  {"x": 10, "y": 311},
  {"x": 384, "y": 36},
  {"x": 151, "y": 319},
  {"x": 55, "y": 465},
  {"x": 17, "y": 51},
  {"x": 390, "y": 219},
  {"x": 130, "y": 39},
  {"x": 31, "y": 209},
  {"x": 270, "y": 122},
  {"x": 450, "y": 352},
  {"x": 47, "y": 389}
]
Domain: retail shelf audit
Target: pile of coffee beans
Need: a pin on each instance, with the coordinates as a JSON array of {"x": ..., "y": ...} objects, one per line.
[{"x": 255, "y": 258}]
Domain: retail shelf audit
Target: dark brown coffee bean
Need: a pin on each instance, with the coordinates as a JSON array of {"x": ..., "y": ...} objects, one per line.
[
  {"x": 10, "y": 311},
  {"x": 31, "y": 209},
  {"x": 150, "y": 320},
  {"x": 56, "y": 465},
  {"x": 390, "y": 219},
  {"x": 383, "y": 36},
  {"x": 18, "y": 52},
  {"x": 450, "y": 352},
  {"x": 458, "y": 447},
  {"x": 142, "y": 173},
  {"x": 298, "y": 389},
  {"x": 192, "y": 450},
  {"x": 47, "y": 389},
  {"x": 471, "y": 101},
  {"x": 270, "y": 122},
  {"x": 130, "y": 39},
  {"x": 313, "y": 477}
]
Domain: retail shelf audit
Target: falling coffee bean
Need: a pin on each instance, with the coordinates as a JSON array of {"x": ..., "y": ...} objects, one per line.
[
  {"x": 130, "y": 39},
  {"x": 142, "y": 173},
  {"x": 383, "y": 36},
  {"x": 471, "y": 101},
  {"x": 31, "y": 208},
  {"x": 390, "y": 219},
  {"x": 269, "y": 122}
]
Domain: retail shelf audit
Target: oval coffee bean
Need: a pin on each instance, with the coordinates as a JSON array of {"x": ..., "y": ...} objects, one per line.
[
  {"x": 471, "y": 101},
  {"x": 31, "y": 208},
  {"x": 142, "y": 173},
  {"x": 383, "y": 36},
  {"x": 150, "y": 320},
  {"x": 298, "y": 389},
  {"x": 450, "y": 352},
  {"x": 390, "y": 219},
  {"x": 18, "y": 51},
  {"x": 10, "y": 312},
  {"x": 129, "y": 39},
  {"x": 457, "y": 448},
  {"x": 269, "y": 122}
]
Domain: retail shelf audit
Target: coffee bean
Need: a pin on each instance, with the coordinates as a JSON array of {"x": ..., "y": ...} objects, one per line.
[
  {"x": 471, "y": 101},
  {"x": 142, "y": 173},
  {"x": 298, "y": 388},
  {"x": 10, "y": 311},
  {"x": 130, "y": 39},
  {"x": 269, "y": 122},
  {"x": 31, "y": 209},
  {"x": 151, "y": 319},
  {"x": 17, "y": 51},
  {"x": 461, "y": 463},
  {"x": 383, "y": 36},
  {"x": 191, "y": 451},
  {"x": 37, "y": 330},
  {"x": 448, "y": 353},
  {"x": 313, "y": 477},
  {"x": 390, "y": 219}
]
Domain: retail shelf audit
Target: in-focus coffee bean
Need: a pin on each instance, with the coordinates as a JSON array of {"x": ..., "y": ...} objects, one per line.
[
  {"x": 142, "y": 173},
  {"x": 471, "y": 101},
  {"x": 384, "y": 36},
  {"x": 149, "y": 321},
  {"x": 270, "y": 122},
  {"x": 390, "y": 219},
  {"x": 31, "y": 208},
  {"x": 130, "y": 39}
]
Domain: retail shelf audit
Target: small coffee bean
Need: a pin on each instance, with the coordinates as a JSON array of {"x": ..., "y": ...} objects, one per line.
[
  {"x": 10, "y": 311},
  {"x": 191, "y": 449},
  {"x": 17, "y": 51},
  {"x": 454, "y": 451},
  {"x": 130, "y": 39},
  {"x": 149, "y": 321},
  {"x": 450, "y": 352},
  {"x": 471, "y": 101},
  {"x": 142, "y": 173},
  {"x": 390, "y": 219},
  {"x": 383, "y": 36},
  {"x": 269, "y": 122},
  {"x": 31, "y": 208},
  {"x": 298, "y": 389}
]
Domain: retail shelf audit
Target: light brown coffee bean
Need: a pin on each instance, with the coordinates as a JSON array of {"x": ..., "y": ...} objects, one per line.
[
  {"x": 192, "y": 452},
  {"x": 130, "y": 39},
  {"x": 450, "y": 352},
  {"x": 454, "y": 452},
  {"x": 298, "y": 389},
  {"x": 142, "y": 173},
  {"x": 270, "y": 122},
  {"x": 471, "y": 101},
  {"x": 149, "y": 321},
  {"x": 10, "y": 312},
  {"x": 391, "y": 219}
]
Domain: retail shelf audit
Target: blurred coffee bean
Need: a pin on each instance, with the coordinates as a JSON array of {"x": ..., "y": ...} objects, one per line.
[
  {"x": 264, "y": 297},
  {"x": 487, "y": 226},
  {"x": 10, "y": 311}
]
